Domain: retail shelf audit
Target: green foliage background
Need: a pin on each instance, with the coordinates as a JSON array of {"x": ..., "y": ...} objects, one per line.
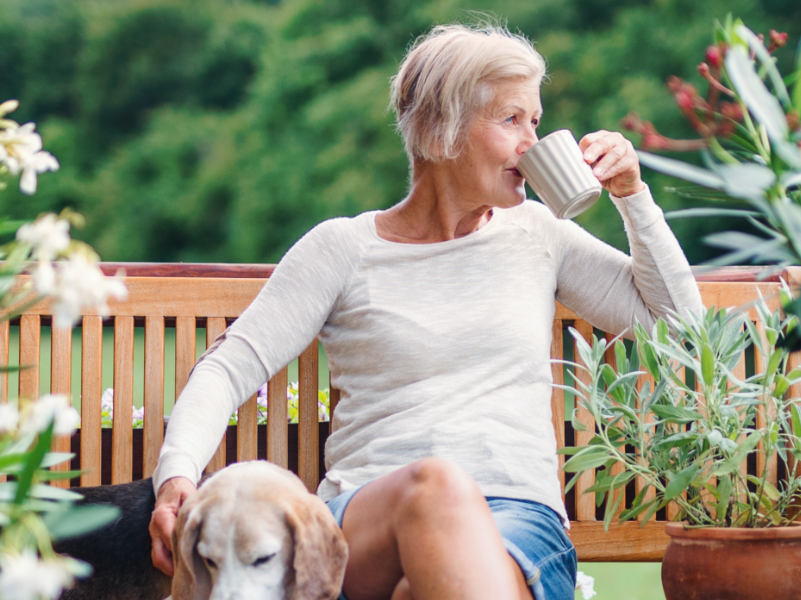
[{"x": 214, "y": 130}]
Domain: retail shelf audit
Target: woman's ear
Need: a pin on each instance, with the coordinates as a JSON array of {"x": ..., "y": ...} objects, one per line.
[
  {"x": 192, "y": 580},
  {"x": 321, "y": 553}
]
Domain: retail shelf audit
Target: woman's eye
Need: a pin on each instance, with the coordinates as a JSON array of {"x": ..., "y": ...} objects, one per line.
[
  {"x": 210, "y": 563},
  {"x": 535, "y": 122},
  {"x": 510, "y": 119}
]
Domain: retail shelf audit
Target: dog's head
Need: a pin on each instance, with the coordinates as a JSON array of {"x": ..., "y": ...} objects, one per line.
[{"x": 253, "y": 531}]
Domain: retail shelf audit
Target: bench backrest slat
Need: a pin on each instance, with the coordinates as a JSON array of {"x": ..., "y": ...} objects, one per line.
[
  {"x": 153, "y": 401},
  {"x": 60, "y": 383},
  {"x": 122, "y": 438},
  {"x": 558, "y": 396},
  {"x": 29, "y": 342},
  {"x": 277, "y": 427},
  {"x": 91, "y": 393},
  {"x": 308, "y": 428},
  {"x": 215, "y": 326},
  {"x": 585, "y": 503}
]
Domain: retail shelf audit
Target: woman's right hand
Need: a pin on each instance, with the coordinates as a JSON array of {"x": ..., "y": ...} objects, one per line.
[{"x": 172, "y": 494}]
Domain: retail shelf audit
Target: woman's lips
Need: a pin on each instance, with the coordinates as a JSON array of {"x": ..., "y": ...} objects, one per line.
[{"x": 515, "y": 172}]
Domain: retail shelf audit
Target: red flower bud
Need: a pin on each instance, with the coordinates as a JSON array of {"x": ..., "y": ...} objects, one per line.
[
  {"x": 714, "y": 56},
  {"x": 685, "y": 100},
  {"x": 731, "y": 111},
  {"x": 631, "y": 122},
  {"x": 703, "y": 69},
  {"x": 777, "y": 39}
]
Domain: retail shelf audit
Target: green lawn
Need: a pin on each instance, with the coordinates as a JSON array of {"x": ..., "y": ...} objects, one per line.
[{"x": 625, "y": 581}]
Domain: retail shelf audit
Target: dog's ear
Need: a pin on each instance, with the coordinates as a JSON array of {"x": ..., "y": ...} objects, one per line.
[
  {"x": 191, "y": 580},
  {"x": 321, "y": 553}
]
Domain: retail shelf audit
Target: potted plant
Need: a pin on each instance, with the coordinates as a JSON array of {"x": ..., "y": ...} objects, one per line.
[
  {"x": 691, "y": 441},
  {"x": 688, "y": 435}
]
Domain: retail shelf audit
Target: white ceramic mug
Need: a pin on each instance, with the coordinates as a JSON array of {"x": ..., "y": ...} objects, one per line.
[{"x": 554, "y": 167}]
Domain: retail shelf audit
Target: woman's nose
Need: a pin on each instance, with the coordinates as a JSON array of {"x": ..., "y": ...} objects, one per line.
[{"x": 528, "y": 139}]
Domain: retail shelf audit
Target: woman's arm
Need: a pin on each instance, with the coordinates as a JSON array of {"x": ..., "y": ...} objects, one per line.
[
  {"x": 603, "y": 285},
  {"x": 283, "y": 320}
]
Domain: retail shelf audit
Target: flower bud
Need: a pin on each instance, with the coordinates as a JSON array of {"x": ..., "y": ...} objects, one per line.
[
  {"x": 777, "y": 40},
  {"x": 684, "y": 99},
  {"x": 714, "y": 56},
  {"x": 732, "y": 111},
  {"x": 631, "y": 122},
  {"x": 703, "y": 69},
  {"x": 8, "y": 106}
]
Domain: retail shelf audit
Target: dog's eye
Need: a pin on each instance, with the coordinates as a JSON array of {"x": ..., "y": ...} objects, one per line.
[
  {"x": 263, "y": 560},
  {"x": 210, "y": 563}
]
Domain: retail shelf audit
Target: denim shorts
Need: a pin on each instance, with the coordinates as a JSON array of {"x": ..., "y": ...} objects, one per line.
[{"x": 532, "y": 534}]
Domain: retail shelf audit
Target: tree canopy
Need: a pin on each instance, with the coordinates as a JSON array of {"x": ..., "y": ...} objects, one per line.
[{"x": 214, "y": 130}]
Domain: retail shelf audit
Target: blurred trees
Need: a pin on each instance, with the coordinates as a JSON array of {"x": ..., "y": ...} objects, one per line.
[{"x": 213, "y": 130}]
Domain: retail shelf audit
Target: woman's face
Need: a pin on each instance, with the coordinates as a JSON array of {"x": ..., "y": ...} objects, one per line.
[{"x": 499, "y": 136}]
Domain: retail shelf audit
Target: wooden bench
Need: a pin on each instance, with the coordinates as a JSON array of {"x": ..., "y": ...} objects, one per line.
[{"x": 192, "y": 297}]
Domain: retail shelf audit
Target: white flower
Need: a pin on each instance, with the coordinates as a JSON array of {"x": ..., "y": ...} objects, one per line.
[
  {"x": 44, "y": 278},
  {"x": 81, "y": 284},
  {"x": 23, "y": 153},
  {"x": 49, "y": 408},
  {"x": 40, "y": 162},
  {"x": 138, "y": 414},
  {"x": 26, "y": 577},
  {"x": 9, "y": 417},
  {"x": 585, "y": 584},
  {"x": 48, "y": 235}
]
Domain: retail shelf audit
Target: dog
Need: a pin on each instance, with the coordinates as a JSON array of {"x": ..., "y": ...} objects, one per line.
[
  {"x": 119, "y": 552},
  {"x": 254, "y": 531}
]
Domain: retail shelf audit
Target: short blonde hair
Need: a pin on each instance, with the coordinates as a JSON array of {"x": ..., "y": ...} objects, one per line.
[{"x": 447, "y": 76}]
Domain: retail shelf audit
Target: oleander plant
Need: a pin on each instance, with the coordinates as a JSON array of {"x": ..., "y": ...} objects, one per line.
[{"x": 41, "y": 263}]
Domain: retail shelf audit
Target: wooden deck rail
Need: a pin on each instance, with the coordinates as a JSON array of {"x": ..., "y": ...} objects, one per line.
[{"x": 188, "y": 297}]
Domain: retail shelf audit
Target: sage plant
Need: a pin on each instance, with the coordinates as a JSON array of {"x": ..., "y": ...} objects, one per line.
[{"x": 689, "y": 434}]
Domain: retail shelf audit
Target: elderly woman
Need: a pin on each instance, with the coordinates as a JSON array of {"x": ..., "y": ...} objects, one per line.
[{"x": 436, "y": 319}]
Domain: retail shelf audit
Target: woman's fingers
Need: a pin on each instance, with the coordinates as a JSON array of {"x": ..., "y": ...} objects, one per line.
[
  {"x": 172, "y": 494},
  {"x": 614, "y": 162}
]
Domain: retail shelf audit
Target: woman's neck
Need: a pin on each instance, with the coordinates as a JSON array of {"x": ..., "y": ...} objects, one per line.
[{"x": 436, "y": 210}]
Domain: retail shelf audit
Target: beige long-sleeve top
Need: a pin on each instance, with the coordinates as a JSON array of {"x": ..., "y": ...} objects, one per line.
[{"x": 438, "y": 349}]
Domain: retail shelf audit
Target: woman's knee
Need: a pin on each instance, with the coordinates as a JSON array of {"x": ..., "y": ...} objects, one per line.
[{"x": 433, "y": 484}]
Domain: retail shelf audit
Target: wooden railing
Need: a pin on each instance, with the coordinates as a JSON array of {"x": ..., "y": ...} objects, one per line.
[{"x": 192, "y": 297}]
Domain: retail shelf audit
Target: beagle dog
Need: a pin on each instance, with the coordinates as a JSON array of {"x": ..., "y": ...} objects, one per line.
[{"x": 252, "y": 530}]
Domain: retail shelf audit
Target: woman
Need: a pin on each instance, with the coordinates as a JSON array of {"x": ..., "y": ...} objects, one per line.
[{"x": 436, "y": 318}]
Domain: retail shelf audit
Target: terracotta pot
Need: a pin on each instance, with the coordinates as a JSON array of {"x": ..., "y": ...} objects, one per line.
[{"x": 735, "y": 563}]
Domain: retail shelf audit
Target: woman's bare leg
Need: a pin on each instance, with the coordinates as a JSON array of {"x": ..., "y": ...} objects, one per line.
[{"x": 427, "y": 523}]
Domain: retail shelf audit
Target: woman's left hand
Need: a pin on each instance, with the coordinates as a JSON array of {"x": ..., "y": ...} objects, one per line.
[{"x": 614, "y": 162}]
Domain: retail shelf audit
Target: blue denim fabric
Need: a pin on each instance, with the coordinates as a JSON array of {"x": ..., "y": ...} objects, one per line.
[{"x": 532, "y": 534}]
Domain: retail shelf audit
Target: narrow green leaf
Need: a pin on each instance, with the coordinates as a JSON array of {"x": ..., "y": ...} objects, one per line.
[
  {"x": 585, "y": 462},
  {"x": 680, "y": 481},
  {"x": 25, "y": 479},
  {"x": 681, "y": 170},
  {"x": 724, "y": 488},
  {"x": 707, "y": 364},
  {"x": 634, "y": 511},
  {"x": 79, "y": 520},
  {"x": 611, "y": 508},
  {"x": 675, "y": 414}
]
